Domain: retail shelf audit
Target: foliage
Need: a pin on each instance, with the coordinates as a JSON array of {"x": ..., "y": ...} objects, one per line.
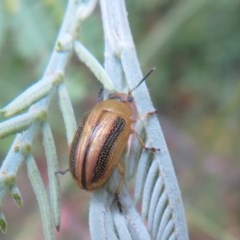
[
  {"x": 195, "y": 89},
  {"x": 28, "y": 114}
]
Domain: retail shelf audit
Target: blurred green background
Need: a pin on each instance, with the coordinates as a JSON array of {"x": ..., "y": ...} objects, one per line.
[{"x": 195, "y": 46}]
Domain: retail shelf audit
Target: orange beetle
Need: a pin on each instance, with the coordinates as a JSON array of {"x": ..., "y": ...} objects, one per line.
[{"x": 101, "y": 139}]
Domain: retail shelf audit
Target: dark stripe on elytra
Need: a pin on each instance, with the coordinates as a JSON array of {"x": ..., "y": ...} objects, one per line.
[
  {"x": 84, "y": 166},
  {"x": 103, "y": 157},
  {"x": 74, "y": 146}
]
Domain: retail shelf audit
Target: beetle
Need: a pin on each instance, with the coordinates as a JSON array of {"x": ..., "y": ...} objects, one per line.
[{"x": 101, "y": 139}]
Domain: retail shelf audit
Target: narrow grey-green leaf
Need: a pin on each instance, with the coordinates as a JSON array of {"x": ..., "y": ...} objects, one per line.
[
  {"x": 121, "y": 225},
  {"x": 12, "y": 162},
  {"x": 135, "y": 224},
  {"x": 166, "y": 218},
  {"x": 141, "y": 176},
  {"x": 148, "y": 188},
  {"x": 168, "y": 231},
  {"x": 54, "y": 185},
  {"x": 91, "y": 62},
  {"x": 157, "y": 218},
  {"x": 31, "y": 95},
  {"x": 18, "y": 124},
  {"x": 100, "y": 217},
  {"x": 17, "y": 195},
  {"x": 157, "y": 191},
  {"x": 172, "y": 237},
  {"x": 85, "y": 9},
  {"x": 67, "y": 113},
  {"x": 41, "y": 195}
]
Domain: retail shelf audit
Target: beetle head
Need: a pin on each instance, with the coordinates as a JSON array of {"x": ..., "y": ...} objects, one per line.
[{"x": 125, "y": 99}]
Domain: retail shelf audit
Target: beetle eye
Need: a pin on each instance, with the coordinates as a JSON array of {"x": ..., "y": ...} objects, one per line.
[
  {"x": 110, "y": 96},
  {"x": 114, "y": 96},
  {"x": 129, "y": 98}
]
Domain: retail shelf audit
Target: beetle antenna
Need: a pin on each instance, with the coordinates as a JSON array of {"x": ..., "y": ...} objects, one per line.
[{"x": 144, "y": 78}]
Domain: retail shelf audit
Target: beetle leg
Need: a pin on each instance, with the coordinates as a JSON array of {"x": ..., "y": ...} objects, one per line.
[
  {"x": 147, "y": 114},
  {"x": 117, "y": 193},
  {"x": 118, "y": 202},
  {"x": 100, "y": 94},
  {"x": 122, "y": 172},
  {"x": 149, "y": 149}
]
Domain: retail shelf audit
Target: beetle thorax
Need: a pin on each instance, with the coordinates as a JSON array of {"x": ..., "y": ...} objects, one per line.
[{"x": 125, "y": 99}]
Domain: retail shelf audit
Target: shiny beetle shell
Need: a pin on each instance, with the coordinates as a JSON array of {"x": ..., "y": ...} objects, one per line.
[{"x": 101, "y": 139}]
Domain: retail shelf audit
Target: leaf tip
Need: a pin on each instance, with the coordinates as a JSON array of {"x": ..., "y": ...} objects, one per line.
[{"x": 3, "y": 223}]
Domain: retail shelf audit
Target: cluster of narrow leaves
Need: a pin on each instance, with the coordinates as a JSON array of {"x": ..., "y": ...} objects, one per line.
[
  {"x": 156, "y": 188},
  {"x": 28, "y": 114}
]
